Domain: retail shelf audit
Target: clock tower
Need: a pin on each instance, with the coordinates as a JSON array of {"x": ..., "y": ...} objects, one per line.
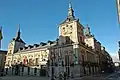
[{"x": 72, "y": 29}]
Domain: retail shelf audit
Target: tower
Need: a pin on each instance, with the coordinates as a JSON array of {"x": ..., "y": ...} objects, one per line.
[
  {"x": 87, "y": 32},
  {"x": 16, "y": 42},
  {"x": 19, "y": 43},
  {"x": 72, "y": 29},
  {"x": 89, "y": 38},
  {"x": 14, "y": 45}
]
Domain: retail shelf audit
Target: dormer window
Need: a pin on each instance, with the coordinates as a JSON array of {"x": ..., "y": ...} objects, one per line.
[
  {"x": 36, "y": 45},
  {"x": 66, "y": 25},
  {"x": 71, "y": 27}
]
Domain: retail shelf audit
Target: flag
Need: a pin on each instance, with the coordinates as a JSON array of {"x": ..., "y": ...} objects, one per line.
[
  {"x": 118, "y": 9},
  {"x": 1, "y": 37}
]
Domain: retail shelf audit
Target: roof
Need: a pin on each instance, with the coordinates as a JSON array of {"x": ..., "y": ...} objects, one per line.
[
  {"x": 68, "y": 20},
  {"x": 3, "y": 51},
  {"x": 37, "y": 46},
  {"x": 18, "y": 40}
]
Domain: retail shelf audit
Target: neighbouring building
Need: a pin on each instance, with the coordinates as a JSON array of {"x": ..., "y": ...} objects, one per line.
[
  {"x": 107, "y": 64},
  {"x": 74, "y": 51},
  {"x": 2, "y": 58}
]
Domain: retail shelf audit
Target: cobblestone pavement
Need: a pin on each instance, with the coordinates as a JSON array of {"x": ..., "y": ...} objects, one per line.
[
  {"x": 45, "y": 78},
  {"x": 95, "y": 77},
  {"x": 100, "y": 77},
  {"x": 23, "y": 78}
]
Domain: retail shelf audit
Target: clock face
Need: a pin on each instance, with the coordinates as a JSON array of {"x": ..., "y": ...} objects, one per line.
[
  {"x": 70, "y": 27},
  {"x": 63, "y": 29},
  {"x": 67, "y": 30}
]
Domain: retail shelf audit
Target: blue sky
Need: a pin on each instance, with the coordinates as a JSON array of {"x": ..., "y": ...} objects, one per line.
[{"x": 39, "y": 20}]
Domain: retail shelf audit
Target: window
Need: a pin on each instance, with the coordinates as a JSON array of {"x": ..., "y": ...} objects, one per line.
[
  {"x": 30, "y": 62},
  {"x": 63, "y": 29},
  {"x": 36, "y": 61},
  {"x": 66, "y": 25},
  {"x": 14, "y": 61},
  {"x": 71, "y": 27},
  {"x": 83, "y": 58},
  {"x": 80, "y": 38},
  {"x": 10, "y": 51},
  {"x": 67, "y": 40}
]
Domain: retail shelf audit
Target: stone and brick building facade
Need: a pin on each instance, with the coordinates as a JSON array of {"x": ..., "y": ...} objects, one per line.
[{"x": 74, "y": 52}]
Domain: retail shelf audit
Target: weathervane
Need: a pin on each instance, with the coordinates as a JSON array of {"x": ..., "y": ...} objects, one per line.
[{"x": 70, "y": 3}]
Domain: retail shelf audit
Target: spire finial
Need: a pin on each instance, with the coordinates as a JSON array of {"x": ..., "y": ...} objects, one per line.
[
  {"x": 70, "y": 11},
  {"x": 87, "y": 25},
  {"x": 18, "y": 27},
  {"x": 87, "y": 33},
  {"x": 18, "y": 32},
  {"x": 70, "y": 4}
]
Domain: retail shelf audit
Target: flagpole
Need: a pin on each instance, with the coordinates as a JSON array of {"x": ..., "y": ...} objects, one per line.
[
  {"x": 0, "y": 44},
  {"x": 118, "y": 14},
  {"x": 1, "y": 37}
]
